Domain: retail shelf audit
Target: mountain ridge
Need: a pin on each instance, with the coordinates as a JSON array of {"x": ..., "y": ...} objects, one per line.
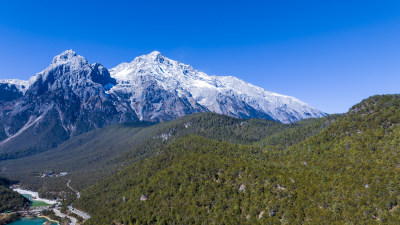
[
  {"x": 122, "y": 78},
  {"x": 244, "y": 99},
  {"x": 72, "y": 96}
]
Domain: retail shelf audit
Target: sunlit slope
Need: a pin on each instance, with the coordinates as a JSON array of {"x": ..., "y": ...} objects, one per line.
[
  {"x": 347, "y": 173},
  {"x": 92, "y": 156}
]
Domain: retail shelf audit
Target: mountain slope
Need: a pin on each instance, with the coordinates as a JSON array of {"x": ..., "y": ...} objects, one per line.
[
  {"x": 66, "y": 99},
  {"x": 190, "y": 90},
  {"x": 91, "y": 156},
  {"x": 346, "y": 174},
  {"x": 9, "y": 199}
]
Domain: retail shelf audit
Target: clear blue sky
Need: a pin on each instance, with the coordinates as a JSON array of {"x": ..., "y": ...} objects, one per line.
[{"x": 330, "y": 54}]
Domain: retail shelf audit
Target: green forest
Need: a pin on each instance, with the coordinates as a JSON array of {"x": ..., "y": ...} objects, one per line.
[
  {"x": 97, "y": 154},
  {"x": 207, "y": 168},
  {"x": 9, "y": 199},
  {"x": 347, "y": 173}
]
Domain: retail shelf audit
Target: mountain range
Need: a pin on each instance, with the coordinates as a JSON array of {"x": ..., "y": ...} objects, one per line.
[
  {"x": 73, "y": 96},
  {"x": 217, "y": 166}
]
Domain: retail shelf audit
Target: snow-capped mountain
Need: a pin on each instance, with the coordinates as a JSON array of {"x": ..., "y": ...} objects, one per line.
[
  {"x": 72, "y": 96},
  {"x": 166, "y": 86},
  {"x": 67, "y": 98}
]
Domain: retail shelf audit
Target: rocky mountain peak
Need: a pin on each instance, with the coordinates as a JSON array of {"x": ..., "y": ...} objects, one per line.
[
  {"x": 67, "y": 56},
  {"x": 71, "y": 71}
]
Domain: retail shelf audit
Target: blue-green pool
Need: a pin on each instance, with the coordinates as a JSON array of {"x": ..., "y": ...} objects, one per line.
[
  {"x": 34, "y": 202},
  {"x": 31, "y": 221}
]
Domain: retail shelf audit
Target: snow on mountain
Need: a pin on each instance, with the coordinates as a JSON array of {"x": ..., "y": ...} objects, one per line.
[
  {"x": 71, "y": 71},
  {"x": 72, "y": 96},
  {"x": 21, "y": 85},
  {"x": 66, "y": 99},
  {"x": 221, "y": 94}
]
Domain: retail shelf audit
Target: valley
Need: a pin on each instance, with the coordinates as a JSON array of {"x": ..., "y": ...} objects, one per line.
[
  {"x": 199, "y": 112},
  {"x": 117, "y": 147},
  {"x": 91, "y": 156}
]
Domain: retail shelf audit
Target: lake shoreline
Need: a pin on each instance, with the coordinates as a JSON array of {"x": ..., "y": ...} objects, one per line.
[
  {"x": 35, "y": 195},
  {"x": 9, "y": 218}
]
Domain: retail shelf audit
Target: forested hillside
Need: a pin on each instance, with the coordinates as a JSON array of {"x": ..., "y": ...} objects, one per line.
[
  {"x": 9, "y": 199},
  {"x": 92, "y": 156},
  {"x": 346, "y": 174}
]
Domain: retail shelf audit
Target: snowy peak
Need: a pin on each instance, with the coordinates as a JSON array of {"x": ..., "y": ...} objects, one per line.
[
  {"x": 154, "y": 55},
  {"x": 69, "y": 70},
  {"x": 153, "y": 59},
  {"x": 64, "y": 57},
  {"x": 67, "y": 59},
  {"x": 150, "y": 58},
  {"x": 153, "y": 64},
  {"x": 70, "y": 59},
  {"x": 221, "y": 94}
]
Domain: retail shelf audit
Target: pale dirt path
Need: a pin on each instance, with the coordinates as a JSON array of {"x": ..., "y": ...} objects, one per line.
[
  {"x": 78, "y": 195},
  {"x": 80, "y": 213}
]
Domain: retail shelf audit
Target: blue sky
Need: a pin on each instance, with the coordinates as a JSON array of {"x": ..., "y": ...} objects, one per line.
[{"x": 330, "y": 54}]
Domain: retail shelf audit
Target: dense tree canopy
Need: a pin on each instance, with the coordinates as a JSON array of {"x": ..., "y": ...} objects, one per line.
[
  {"x": 346, "y": 173},
  {"x": 97, "y": 154},
  {"x": 9, "y": 199}
]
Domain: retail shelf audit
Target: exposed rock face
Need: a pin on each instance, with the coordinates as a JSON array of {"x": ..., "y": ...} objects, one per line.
[
  {"x": 158, "y": 88},
  {"x": 67, "y": 98}
]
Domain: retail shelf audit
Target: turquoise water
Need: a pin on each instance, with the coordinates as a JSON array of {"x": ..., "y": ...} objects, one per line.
[
  {"x": 28, "y": 196},
  {"x": 29, "y": 221},
  {"x": 34, "y": 202}
]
